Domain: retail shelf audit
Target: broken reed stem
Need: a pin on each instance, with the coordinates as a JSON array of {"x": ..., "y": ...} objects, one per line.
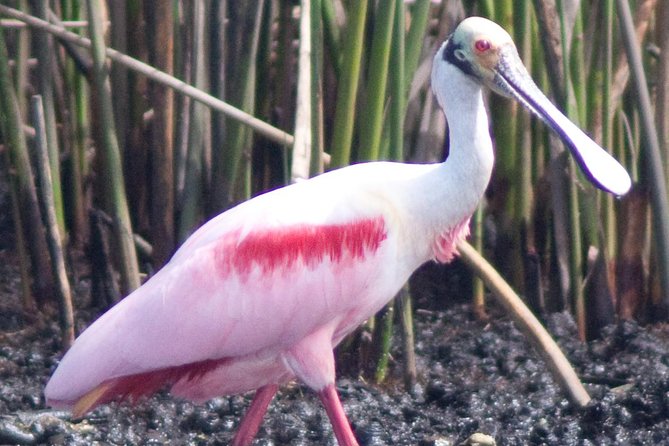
[
  {"x": 53, "y": 234},
  {"x": 558, "y": 364},
  {"x": 156, "y": 75}
]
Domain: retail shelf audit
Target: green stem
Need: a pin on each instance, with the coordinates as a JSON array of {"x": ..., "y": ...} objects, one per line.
[
  {"x": 420, "y": 12},
  {"x": 370, "y": 138},
  {"x": 331, "y": 35},
  {"x": 398, "y": 85},
  {"x": 652, "y": 154},
  {"x": 45, "y": 53},
  {"x": 348, "y": 86},
  {"x": 384, "y": 343},
  {"x": 22, "y": 180},
  {"x": 317, "y": 144},
  {"x": 191, "y": 212},
  {"x": 77, "y": 98},
  {"x": 114, "y": 187},
  {"x": 230, "y": 170},
  {"x": 52, "y": 229},
  {"x": 607, "y": 122},
  {"x": 408, "y": 338}
]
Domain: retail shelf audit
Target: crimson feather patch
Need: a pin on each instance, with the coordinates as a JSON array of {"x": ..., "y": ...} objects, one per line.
[{"x": 301, "y": 244}]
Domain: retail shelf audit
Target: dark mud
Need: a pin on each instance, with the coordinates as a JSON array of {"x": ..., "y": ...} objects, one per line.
[{"x": 474, "y": 377}]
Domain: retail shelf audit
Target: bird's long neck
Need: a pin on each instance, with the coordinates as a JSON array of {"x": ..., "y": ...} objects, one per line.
[
  {"x": 454, "y": 188},
  {"x": 470, "y": 146},
  {"x": 471, "y": 157}
]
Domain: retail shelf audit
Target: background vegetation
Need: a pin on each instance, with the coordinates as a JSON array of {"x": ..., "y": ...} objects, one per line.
[{"x": 132, "y": 165}]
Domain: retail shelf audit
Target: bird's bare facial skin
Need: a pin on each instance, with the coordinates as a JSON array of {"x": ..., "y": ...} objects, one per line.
[
  {"x": 477, "y": 57},
  {"x": 485, "y": 52},
  {"x": 475, "y": 47}
]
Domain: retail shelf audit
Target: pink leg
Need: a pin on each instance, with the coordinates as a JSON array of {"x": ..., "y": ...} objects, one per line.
[
  {"x": 251, "y": 421},
  {"x": 335, "y": 411}
]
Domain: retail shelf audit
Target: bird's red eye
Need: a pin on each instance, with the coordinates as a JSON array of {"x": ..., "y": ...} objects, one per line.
[{"x": 482, "y": 45}]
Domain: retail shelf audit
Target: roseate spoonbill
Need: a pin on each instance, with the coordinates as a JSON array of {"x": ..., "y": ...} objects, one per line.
[{"x": 262, "y": 293}]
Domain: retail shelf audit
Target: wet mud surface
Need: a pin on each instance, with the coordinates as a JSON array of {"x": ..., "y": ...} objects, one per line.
[{"x": 474, "y": 376}]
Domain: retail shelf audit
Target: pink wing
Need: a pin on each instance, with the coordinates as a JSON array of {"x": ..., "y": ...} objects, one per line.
[{"x": 245, "y": 287}]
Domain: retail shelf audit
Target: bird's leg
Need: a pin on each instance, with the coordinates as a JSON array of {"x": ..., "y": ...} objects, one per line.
[
  {"x": 253, "y": 417},
  {"x": 312, "y": 361},
  {"x": 335, "y": 411}
]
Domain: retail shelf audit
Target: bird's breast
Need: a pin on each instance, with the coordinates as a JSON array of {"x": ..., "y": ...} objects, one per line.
[{"x": 444, "y": 247}]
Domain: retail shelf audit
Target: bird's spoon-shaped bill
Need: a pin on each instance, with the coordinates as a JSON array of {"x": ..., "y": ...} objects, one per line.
[{"x": 511, "y": 78}]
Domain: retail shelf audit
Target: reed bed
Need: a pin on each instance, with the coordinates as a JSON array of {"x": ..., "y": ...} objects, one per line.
[{"x": 139, "y": 156}]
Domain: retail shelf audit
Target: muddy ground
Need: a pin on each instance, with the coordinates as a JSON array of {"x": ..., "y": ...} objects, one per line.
[{"x": 473, "y": 377}]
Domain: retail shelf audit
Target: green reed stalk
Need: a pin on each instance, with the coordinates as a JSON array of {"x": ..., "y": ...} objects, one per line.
[
  {"x": 662, "y": 84},
  {"x": 478, "y": 288},
  {"x": 125, "y": 36},
  {"x": 377, "y": 79},
  {"x": 408, "y": 339},
  {"x": 347, "y": 90},
  {"x": 575, "y": 247},
  {"x": 504, "y": 118},
  {"x": 182, "y": 70},
  {"x": 589, "y": 219},
  {"x": 192, "y": 205},
  {"x": 283, "y": 98},
  {"x": 550, "y": 32},
  {"x": 218, "y": 80},
  {"x": 317, "y": 124},
  {"x": 22, "y": 182},
  {"x": 231, "y": 170},
  {"x": 394, "y": 137},
  {"x": 130, "y": 109},
  {"x": 486, "y": 8},
  {"x": 577, "y": 74},
  {"x": 45, "y": 54},
  {"x": 331, "y": 35},
  {"x": 114, "y": 189},
  {"x": 398, "y": 90},
  {"x": 22, "y": 69},
  {"x": 20, "y": 177},
  {"x": 523, "y": 189},
  {"x": 383, "y": 335},
  {"x": 531, "y": 149},
  {"x": 370, "y": 146},
  {"x": 652, "y": 155},
  {"x": 28, "y": 303},
  {"x": 414, "y": 39},
  {"x": 77, "y": 95},
  {"x": 52, "y": 229},
  {"x": 608, "y": 210},
  {"x": 504, "y": 113}
]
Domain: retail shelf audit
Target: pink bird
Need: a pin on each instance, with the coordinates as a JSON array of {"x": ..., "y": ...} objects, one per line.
[{"x": 261, "y": 294}]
